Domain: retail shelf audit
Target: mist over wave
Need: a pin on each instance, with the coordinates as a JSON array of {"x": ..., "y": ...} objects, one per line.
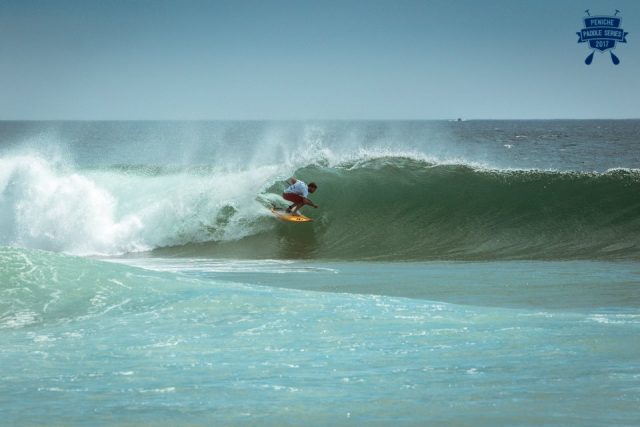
[
  {"x": 396, "y": 208},
  {"x": 374, "y": 205},
  {"x": 117, "y": 210},
  {"x": 189, "y": 288}
]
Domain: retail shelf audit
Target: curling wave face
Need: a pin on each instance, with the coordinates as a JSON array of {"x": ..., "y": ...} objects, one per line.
[
  {"x": 373, "y": 206},
  {"x": 414, "y": 210}
]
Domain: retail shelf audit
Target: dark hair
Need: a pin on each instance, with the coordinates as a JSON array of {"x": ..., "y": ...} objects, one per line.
[{"x": 313, "y": 184}]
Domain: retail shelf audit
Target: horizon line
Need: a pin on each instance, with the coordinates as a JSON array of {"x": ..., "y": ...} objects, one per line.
[{"x": 460, "y": 119}]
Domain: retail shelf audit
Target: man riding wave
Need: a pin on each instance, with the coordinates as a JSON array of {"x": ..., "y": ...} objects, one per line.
[{"x": 297, "y": 193}]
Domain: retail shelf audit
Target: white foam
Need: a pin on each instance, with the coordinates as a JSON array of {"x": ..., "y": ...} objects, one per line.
[
  {"x": 46, "y": 207},
  {"x": 19, "y": 319},
  {"x": 42, "y": 209}
]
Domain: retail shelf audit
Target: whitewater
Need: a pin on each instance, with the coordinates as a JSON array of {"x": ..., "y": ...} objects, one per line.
[{"x": 466, "y": 273}]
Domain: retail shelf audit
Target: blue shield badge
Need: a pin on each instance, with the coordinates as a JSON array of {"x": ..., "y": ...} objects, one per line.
[{"x": 602, "y": 32}]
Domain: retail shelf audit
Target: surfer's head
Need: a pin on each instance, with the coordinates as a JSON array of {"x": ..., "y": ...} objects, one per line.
[{"x": 312, "y": 187}]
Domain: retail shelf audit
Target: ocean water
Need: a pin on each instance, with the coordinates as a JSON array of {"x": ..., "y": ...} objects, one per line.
[{"x": 456, "y": 273}]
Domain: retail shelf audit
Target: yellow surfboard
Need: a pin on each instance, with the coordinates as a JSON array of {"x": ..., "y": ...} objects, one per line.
[{"x": 285, "y": 216}]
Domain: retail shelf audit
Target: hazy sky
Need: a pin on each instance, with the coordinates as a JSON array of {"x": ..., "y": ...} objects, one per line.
[{"x": 395, "y": 59}]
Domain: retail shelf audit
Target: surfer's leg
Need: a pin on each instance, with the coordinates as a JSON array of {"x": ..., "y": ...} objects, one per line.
[{"x": 297, "y": 200}]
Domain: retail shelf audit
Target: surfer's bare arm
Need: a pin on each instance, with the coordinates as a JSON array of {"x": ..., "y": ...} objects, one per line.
[
  {"x": 309, "y": 202},
  {"x": 291, "y": 180}
]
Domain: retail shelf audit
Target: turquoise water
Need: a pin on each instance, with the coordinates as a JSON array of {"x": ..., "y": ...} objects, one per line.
[
  {"x": 474, "y": 273},
  {"x": 89, "y": 342}
]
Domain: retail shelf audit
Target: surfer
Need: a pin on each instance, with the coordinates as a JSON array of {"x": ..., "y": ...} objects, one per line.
[{"x": 297, "y": 193}]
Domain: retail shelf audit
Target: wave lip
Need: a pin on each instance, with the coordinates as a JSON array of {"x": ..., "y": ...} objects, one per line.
[
  {"x": 407, "y": 208},
  {"x": 45, "y": 208},
  {"x": 423, "y": 211},
  {"x": 377, "y": 205},
  {"x": 111, "y": 211}
]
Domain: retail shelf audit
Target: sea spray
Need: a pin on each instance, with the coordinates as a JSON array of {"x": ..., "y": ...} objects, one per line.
[
  {"x": 114, "y": 211},
  {"x": 412, "y": 208},
  {"x": 42, "y": 208},
  {"x": 218, "y": 341}
]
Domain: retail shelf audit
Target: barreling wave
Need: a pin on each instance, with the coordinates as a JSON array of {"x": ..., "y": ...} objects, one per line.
[
  {"x": 372, "y": 207},
  {"x": 405, "y": 209}
]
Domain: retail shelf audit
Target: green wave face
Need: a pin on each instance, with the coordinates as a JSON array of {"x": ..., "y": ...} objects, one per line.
[
  {"x": 386, "y": 207},
  {"x": 405, "y": 209},
  {"x": 417, "y": 212}
]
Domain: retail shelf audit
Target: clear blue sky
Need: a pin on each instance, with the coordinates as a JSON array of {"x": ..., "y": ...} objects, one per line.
[{"x": 395, "y": 59}]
